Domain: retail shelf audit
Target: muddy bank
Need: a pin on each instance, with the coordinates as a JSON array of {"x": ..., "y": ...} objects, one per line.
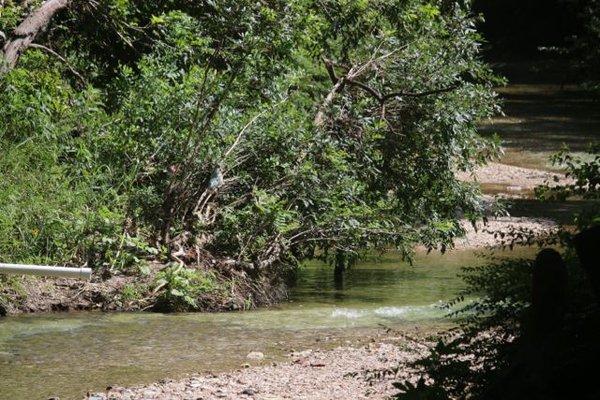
[
  {"x": 347, "y": 372},
  {"x": 30, "y": 294}
]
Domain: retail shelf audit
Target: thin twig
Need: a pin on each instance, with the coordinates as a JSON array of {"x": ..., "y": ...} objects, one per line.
[
  {"x": 243, "y": 130},
  {"x": 419, "y": 94},
  {"x": 61, "y": 58}
]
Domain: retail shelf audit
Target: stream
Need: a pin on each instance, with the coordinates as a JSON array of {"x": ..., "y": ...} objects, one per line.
[{"x": 67, "y": 354}]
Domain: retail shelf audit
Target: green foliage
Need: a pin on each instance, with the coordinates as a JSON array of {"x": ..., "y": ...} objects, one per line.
[
  {"x": 585, "y": 174},
  {"x": 180, "y": 288},
  {"x": 253, "y": 134},
  {"x": 584, "y": 171},
  {"x": 494, "y": 354},
  {"x": 10, "y": 287},
  {"x": 47, "y": 200}
]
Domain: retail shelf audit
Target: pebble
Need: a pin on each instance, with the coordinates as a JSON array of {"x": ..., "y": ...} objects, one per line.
[
  {"x": 249, "y": 392},
  {"x": 289, "y": 380},
  {"x": 255, "y": 355}
]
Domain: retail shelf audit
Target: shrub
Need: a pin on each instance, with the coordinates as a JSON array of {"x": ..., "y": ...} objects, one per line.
[{"x": 181, "y": 288}]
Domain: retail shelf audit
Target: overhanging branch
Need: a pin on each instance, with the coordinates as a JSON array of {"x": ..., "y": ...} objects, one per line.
[
  {"x": 350, "y": 79},
  {"x": 419, "y": 94}
]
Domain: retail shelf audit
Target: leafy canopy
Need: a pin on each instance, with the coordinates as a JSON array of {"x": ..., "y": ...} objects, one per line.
[{"x": 253, "y": 134}]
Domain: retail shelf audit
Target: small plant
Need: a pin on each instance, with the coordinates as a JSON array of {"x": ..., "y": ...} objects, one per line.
[
  {"x": 130, "y": 292},
  {"x": 9, "y": 287},
  {"x": 180, "y": 288}
]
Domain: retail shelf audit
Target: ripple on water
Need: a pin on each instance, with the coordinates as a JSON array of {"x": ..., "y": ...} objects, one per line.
[
  {"x": 408, "y": 313},
  {"x": 348, "y": 313}
]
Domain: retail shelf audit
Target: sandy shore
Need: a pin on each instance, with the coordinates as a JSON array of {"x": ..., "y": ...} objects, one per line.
[
  {"x": 342, "y": 373},
  {"x": 516, "y": 178}
]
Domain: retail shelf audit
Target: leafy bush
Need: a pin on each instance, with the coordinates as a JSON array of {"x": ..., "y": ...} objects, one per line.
[
  {"x": 248, "y": 133},
  {"x": 182, "y": 287},
  {"x": 495, "y": 353}
]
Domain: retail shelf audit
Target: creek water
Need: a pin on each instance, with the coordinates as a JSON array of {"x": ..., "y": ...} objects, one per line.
[{"x": 68, "y": 354}]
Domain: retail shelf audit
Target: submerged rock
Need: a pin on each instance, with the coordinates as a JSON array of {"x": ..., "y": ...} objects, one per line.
[{"x": 255, "y": 355}]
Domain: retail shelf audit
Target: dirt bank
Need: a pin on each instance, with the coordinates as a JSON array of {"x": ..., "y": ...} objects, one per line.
[
  {"x": 342, "y": 373},
  {"x": 30, "y": 294}
]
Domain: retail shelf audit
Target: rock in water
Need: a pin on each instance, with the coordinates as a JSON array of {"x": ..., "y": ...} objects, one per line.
[{"x": 255, "y": 355}]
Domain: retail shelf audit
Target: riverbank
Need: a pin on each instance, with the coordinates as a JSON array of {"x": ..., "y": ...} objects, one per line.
[
  {"x": 138, "y": 292},
  {"x": 346, "y": 372},
  {"x": 30, "y": 294}
]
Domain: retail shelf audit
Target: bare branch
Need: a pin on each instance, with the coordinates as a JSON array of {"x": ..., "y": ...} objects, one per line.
[
  {"x": 338, "y": 87},
  {"x": 330, "y": 71},
  {"x": 366, "y": 88},
  {"x": 24, "y": 34},
  {"x": 243, "y": 130},
  {"x": 241, "y": 134},
  {"x": 419, "y": 94}
]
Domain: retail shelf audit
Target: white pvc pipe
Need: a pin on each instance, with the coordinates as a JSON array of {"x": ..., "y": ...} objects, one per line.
[{"x": 67, "y": 272}]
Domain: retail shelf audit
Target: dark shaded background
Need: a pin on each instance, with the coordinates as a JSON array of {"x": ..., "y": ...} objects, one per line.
[{"x": 518, "y": 27}]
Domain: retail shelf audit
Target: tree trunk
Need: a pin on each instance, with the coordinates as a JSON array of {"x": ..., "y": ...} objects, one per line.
[{"x": 27, "y": 31}]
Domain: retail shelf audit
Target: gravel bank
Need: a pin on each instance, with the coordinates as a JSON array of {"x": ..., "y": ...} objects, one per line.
[
  {"x": 507, "y": 181},
  {"x": 497, "y": 231},
  {"x": 339, "y": 374},
  {"x": 516, "y": 179}
]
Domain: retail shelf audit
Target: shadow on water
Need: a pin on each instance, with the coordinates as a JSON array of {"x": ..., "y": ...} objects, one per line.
[{"x": 561, "y": 212}]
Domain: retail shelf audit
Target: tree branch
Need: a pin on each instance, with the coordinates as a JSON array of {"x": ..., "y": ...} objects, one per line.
[
  {"x": 330, "y": 71},
  {"x": 24, "y": 34},
  {"x": 349, "y": 79},
  {"x": 366, "y": 88},
  {"x": 61, "y": 58},
  {"x": 418, "y": 94},
  {"x": 338, "y": 87}
]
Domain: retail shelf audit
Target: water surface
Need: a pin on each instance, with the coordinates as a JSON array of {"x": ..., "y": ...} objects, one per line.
[{"x": 67, "y": 354}]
